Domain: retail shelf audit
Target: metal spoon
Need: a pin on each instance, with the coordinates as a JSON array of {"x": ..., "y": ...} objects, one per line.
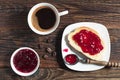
[{"x": 72, "y": 59}]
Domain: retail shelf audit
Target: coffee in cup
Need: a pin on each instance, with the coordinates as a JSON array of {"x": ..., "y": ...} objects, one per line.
[{"x": 44, "y": 18}]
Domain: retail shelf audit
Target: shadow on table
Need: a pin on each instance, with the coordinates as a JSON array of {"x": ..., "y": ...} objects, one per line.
[{"x": 58, "y": 50}]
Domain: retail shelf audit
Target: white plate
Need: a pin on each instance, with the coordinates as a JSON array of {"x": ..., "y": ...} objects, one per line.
[{"x": 101, "y": 29}]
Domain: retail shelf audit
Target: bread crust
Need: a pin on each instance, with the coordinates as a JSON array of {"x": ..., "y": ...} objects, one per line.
[{"x": 74, "y": 45}]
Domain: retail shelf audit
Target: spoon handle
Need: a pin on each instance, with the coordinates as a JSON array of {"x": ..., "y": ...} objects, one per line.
[{"x": 104, "y": 63}]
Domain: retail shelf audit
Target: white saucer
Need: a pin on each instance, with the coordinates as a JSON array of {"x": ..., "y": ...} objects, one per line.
[{"x": 101, "y": 29}]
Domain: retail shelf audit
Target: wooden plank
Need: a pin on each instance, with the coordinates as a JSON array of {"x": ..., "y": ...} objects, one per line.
[
  {"x": 62, "y": 74},
  {"x": 105, "y": 12}
]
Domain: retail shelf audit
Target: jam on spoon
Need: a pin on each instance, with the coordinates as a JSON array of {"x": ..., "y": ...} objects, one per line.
[{"x": 71, "y": 59}]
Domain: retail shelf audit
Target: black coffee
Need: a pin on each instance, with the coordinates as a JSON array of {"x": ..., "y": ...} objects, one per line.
[{"x": 46, "y": 18}]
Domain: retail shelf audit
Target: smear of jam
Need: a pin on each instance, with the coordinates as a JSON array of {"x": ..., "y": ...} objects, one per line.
[
  {"x": 71, "y": 59},
  {"x": 65, "y": 50},
  {"x": 25, "y": 60},
  {"x": 88, "y": 41}
]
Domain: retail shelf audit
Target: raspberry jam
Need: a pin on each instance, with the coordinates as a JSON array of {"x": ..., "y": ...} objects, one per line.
[
  {"x": 71, "y": 59},
  {"x": 25, "y": 60},
  {"x": 65, "y": 50},
  {"x": 88, "y": 41}
]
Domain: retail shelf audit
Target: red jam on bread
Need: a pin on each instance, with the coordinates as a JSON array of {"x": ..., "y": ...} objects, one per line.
[{"x": 88, "y": 41}]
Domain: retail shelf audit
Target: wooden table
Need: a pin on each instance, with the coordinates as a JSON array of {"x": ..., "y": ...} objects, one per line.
[{"x": 15, "y": 33}]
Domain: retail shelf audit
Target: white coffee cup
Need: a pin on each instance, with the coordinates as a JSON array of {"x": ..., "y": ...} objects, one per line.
[{"x": 57, "y": 14}]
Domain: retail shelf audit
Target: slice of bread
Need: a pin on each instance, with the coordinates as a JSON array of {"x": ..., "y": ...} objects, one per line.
[{"x": 74, "y": 44}]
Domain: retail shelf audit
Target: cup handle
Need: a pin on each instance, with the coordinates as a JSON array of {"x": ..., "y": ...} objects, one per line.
[{"x": 63, "y": 13}]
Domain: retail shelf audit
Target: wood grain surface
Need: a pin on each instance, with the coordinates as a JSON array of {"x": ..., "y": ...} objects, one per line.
[{"x": 15, "y": 33}]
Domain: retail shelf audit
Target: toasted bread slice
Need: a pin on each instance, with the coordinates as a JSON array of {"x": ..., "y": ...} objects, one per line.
[{"x": 74, "y": 44}]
